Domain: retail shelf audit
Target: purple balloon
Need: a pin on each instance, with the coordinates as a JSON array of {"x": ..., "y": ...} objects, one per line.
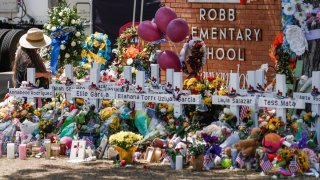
[
  {"x": 169, "y": 60},
  {"x": 148, "y": 31},
  {"x": 163, "y": 17},
  {"x": 177, "y": 30}
]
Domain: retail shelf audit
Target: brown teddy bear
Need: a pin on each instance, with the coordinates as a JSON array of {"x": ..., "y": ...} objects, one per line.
[{"x": 247, "y": 147}]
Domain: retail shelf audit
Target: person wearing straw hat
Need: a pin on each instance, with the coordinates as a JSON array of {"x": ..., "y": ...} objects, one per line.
[{"x": 27, "y": 57}]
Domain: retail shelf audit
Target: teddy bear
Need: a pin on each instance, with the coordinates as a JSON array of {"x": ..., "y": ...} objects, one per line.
[
  {"x": 27, "y": 129},
  {"x": 247, "y": 147}
]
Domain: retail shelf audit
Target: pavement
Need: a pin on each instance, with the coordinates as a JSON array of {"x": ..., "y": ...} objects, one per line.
[{"x": 4, "y": 78}]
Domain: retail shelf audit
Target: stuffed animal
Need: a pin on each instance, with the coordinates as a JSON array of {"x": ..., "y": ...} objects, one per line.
[
  {"x": 247, "y": 147},
  {"x": 27, "y": 129},
  {"x": 272, "y": 142}
]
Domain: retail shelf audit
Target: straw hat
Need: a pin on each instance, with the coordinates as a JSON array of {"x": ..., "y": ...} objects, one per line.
[{"x": 34, "y": 38}]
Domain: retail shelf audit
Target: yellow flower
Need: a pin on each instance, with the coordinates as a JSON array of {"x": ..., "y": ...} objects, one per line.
[
  {"x": 200, "y": 87},
  {"x": 191, "y": 82},
  {"x": 303, "y": 161},
  {"x": 115, "y": 124},
  {"x": 307, "y": 116},
  {"x": 170, "y": 109},
  {"x": 274, "y": 124},
  {"x": 223, "y": 92},
  {"x": 207, "y": 101},
  {"x": 37, "y": 113},
  {"x": 83, "y": 53}
]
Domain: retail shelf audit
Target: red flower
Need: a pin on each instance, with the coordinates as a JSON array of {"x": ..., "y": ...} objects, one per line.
[
  {"x": 278, "y": 40},
  {"x": 211, "y": 78},
  {"x": 243, "y": 1}
]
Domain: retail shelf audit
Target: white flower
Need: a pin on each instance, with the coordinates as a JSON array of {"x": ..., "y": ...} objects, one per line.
[
  {"x": 78, "y": 34},
  {"x": 307, "y": 8},
  {"x": 49, "y": 27},
  {"x": 296, "y": 39},
  {"x": 289, "y": 9},
  {"x": 53, "y": 28},
  {"x": 73, "y": 21},
  {"x": 171, "y": 120},
  {"x": 226, "y": 111},
  {"x": 54, "y": 18},
  {"x": 73, "y": 43},
  {"x": 296, "y": 1},
  {"x": 67, "y": 55},
  {"x": 129, "y": 61},
  {"x": 79, "y": 42},
  {"x": 314, "y": 114},
  {"x": 133, "y": 70},
  {"x": 78, "y": 21},
  {"x": 300, "y": 16},
  {"x": 62, "y": 23},
  {"x": 163, "y": 110},
  {"x": 62, "y": 47},
  {"x": 60, "y": 14}
]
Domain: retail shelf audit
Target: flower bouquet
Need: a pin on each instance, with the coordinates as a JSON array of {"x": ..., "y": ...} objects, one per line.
[
  {"x": 124, "y": 143},
  {"x": 197, "y": 150}
]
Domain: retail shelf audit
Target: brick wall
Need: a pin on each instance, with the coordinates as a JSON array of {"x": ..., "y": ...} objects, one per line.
[{"x": 261, "y": 14}]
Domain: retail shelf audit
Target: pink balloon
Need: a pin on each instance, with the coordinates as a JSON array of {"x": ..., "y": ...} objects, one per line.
[
  {"x": 163, "y": 17},
  {"x": 177, "y": 30},
  {"x": 67, "y": 141},
  {"x": 169, "y": 60},
  {"x": 148, "y": 31}
]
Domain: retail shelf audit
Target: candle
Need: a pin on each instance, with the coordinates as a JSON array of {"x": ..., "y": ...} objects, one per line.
[
  {"x": 47, "y": 147},
  {"x": 248, "y": 166},
  {"x": 234, "y": 154},
  {"x": 8, "y": 84},
  {"x": 63, "y": 149},
  {"x": 179, "y": 162},
  {"x": 55, "y": 150},
  {"x": 10, "y": 150},
  {"x": 0, "y": 149},
  {"x": 22, "y": 151}
]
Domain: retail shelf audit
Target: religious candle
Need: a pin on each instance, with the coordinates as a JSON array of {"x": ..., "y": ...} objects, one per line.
[
  {"x": 63, "y": 149},
  {"x": 47, "y": 147},
  {"x": 55, "y": 149},
  {"x": 22, "y": 151},
  {"x": 10, "y": 150},
  {"x": 179, "y": 162}
]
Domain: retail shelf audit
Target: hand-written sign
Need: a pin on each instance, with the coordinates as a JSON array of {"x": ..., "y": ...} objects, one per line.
[
  {"x": 32, "y": 93},
  {"x": 62, "y": 88},
  {"x": 241, "y": 101},
  {"x": 308, "y": 98},
  {"x": 158, "y": 98},
  {"x": 281, "y": 103},
  {"x": 93, "y": 94}
]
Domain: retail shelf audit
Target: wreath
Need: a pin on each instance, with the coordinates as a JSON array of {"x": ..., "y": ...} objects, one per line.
[
  {"x": 96, "y": 49},
  {"x": 132, "y": 53},
  {"x": 195, "y": 50}
]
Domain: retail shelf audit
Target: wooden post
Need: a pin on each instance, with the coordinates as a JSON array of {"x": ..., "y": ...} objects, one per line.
[
  {"x": 94, "y": 78},
  {"x": 281, "y": 86},
  {"x": 251, "y": 82},
  {"x": 127, "y": 70},
  {"x": 31, "y": 78},
  {"x": 155, "y": 72},
  {"x": 316, "y": 107},
  {"x": 234, "y": 85},
  {"x": 177, "y": 84},
  {"x": 140, "y": 76}
]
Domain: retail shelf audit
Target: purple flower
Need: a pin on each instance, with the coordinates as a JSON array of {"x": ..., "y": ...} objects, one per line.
[{"x": 209, "y": 139}]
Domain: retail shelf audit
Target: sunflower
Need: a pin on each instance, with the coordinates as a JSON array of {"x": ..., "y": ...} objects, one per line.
[
  {"x": 207, "y": 101},
  {"x": 303, "y": 161},
  {"x": 274, "y": 124},
  {"x": 307, "y": 116},
  {"x": 287, "y": 154},
  {"x": 115, "y": 124}
]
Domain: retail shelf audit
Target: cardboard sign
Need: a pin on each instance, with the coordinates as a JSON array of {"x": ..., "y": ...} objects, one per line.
[
  {"x": 238, "y": 101},
  {"x": 93, "y": 94},
  {"x": 78, "y": 150},
  {"x": 308, "y": 98},
  {"x": 281, "y": 103},
  {"x": 32, "y": 93},
  {"x": 158, "y": 98}
]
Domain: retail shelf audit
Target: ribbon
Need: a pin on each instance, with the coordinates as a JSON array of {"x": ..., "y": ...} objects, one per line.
[
  {"x": 313, "y": 34},
  {"x": 58, "y": 40}
]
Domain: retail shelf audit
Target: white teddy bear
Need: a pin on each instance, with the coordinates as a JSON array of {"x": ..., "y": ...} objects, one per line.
[{"x": 27, "y": 128}]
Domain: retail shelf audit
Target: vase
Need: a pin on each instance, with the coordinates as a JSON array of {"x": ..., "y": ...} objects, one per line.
[
  {"x": 172, "y": 164},
  {"x": 126, "y": 154},
  {"x": 197, "y": 162}
]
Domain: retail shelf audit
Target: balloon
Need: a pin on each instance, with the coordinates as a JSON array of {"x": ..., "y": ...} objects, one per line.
[
  {"x": 177, "y": 30},
  {"x": 67, "y": 141},
  {"x": 141, "y": 121},
  {"x": 148, "y": 31},
  {"x": 163, "y": 17},
  {"x": 169, "y": 60},
  {"x": 226, "y": 163}
]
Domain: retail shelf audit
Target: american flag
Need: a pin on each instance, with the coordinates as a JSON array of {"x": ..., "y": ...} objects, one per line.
[
  {"x": 243, "y": 111},
  {"x": 294, "y": 166},
  {"x": 239, "y": 160},
  {"x": 165, "y": 155},
  {"x": 208, "y": 160},
  {"x": 89, "y": 140},
  {"x": 265, "y": 164}
]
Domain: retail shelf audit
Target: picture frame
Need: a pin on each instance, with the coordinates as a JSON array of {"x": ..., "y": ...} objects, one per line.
[{"x": 149, "y": 154}]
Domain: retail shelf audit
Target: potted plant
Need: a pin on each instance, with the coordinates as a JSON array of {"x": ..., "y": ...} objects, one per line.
[
  {"x": 124, "y": 143},
  {"x": 196, "y": 151}
]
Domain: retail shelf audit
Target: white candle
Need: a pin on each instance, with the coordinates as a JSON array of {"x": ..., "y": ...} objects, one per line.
[
  {"x": 179, "y": 162},
  {"x": 10, "y": 150},
  {"x": 8, "y": 84},
  {"x": 47, "y": 146}
]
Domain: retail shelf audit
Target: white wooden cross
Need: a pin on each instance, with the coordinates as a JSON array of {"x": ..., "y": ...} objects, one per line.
[
  {"x": 31, "y": 92},
  {"x": 313, "y": 98},
  {"x": 282, "y": 103},
  {"x": 234, "y": 101},
  {"x": 65, "y": 88}
]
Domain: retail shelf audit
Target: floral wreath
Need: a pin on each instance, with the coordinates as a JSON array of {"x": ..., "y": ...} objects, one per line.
[
  {"x": 132, "y": 53},
  {"x": 195, "y": 49},
  {"x": 96, "y": 49}
]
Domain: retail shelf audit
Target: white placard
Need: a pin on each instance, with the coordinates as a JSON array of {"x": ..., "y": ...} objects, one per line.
[
  {"x": 238, "y": 101},
  {"x": 158, "y": 98},
  {"x": 93, "y": 94},
  {"x": 281, "y": 103},
  {"x": 308, "y": 98},
  {"x": 33, "y": 93}
]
